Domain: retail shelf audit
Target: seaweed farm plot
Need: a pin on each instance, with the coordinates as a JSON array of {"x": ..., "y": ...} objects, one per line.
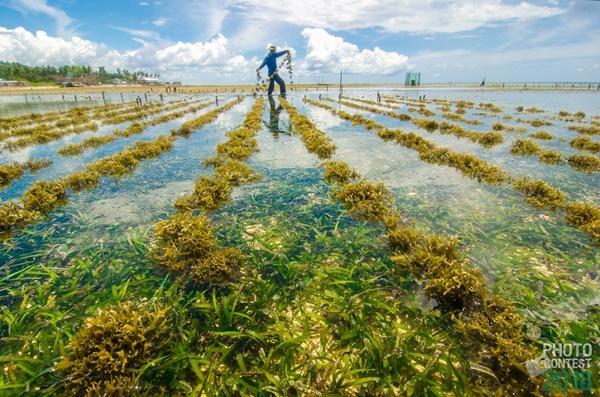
[{"x": 376, "y": 244}]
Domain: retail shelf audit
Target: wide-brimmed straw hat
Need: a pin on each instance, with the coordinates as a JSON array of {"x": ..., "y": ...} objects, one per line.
[{"x": 271, "y": 47}]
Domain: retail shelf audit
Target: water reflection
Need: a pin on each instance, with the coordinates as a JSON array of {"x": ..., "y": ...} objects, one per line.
[{"x": 273, "y": 124}]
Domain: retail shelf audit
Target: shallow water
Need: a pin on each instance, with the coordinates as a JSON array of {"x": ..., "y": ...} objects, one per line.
[{"x": 519, "y": 249}]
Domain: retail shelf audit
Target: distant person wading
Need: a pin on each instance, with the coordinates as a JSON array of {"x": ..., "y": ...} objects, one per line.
[{"x": 271, "y": 62}]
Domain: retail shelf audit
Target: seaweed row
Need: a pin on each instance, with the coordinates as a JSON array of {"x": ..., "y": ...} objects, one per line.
[
  {"x": 458, "y": 117},
  {"x": 184, "y": 243},
  {"x": 15, "y": 122},
  {"x": 76, "y": 120},
  {"x": 191, "y": 125},
  {"x": 535, "y": 122},
  {"x": 16, "y": 125},
  {"x": 315, "y": 140},
  {"x": 468, "y": 164},
  {"x": 581, "y": 162},
  {"x": 11, "y": 172},
  {"x": 135, "y": 128},
  {"x": 538, "y": 194},
  {"x": 491, "y": 326},
  {"x": 487, "y": 139},
  {"x": 445, "y": 109},
  {"x": 45, "y": 134},
  {"x": 577, "y": 116},
  {"x": 69, "y": 118},
  {"x": 44, "y": 197},
  {"x": 585, "y": 130},
  {"x": 504, "y": 128},
  {"x": 78, "y": 123},
  {"x": 135, "y": 113},
  {"x": 488, "y": 322}
]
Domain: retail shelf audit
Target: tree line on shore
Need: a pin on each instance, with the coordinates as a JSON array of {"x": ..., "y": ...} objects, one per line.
[{"x": 64, "y": 74}]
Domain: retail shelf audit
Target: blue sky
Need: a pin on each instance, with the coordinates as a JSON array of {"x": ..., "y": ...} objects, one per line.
[{"x": 222, "y": 41}]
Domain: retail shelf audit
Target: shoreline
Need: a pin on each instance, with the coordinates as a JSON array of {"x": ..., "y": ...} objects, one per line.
[{"x": 195, "y": 89}]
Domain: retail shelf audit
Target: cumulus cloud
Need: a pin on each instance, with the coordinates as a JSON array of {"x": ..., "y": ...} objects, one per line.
[
  {"x": 415, "y": 16},
  {"x": 213, "y": 59},
  {"x": 186, "y": 60},
  {"x": 328, "y": 53},
  {"x": 19, "y": 45},
  {"x": 209, "y": 53}
]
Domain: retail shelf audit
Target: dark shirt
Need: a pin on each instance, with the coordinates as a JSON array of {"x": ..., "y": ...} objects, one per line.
[{"x": 271, "y": 61}]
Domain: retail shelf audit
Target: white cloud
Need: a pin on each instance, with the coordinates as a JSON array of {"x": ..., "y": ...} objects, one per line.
[
  {"x": 193, "y": 61},
  {"x": 19, "y": 45},
  {"x": 160, "y": 22},
  {"x": 141, "y": 35},
  {"x": 327, "y": 53},
  {"x": 62, "y": 21},
  {"x": 415, "y": 16},
  {"x": 185, "y": 60}
]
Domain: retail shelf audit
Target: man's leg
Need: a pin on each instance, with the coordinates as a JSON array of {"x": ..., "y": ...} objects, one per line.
[
  {"x": 281, "y": 83},
  {"x": 271, "y": 86}
]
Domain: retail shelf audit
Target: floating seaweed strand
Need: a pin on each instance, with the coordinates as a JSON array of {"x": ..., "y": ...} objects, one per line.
[
  {"x": 44, "y": 197},
  {"x": 538, "y": 194},
  {"x": 485, "y": 319},
  {"x": 185, "y": 244}
]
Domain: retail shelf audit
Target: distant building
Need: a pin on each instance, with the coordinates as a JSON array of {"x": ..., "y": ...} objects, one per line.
[
  {"x": 116, "y": 81},
  {"x": 147, "y": 80},
  {"x": 12, "y": 83}
]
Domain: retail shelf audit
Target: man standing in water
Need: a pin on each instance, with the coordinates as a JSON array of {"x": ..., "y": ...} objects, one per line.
[{"x": 271, "y": 62}]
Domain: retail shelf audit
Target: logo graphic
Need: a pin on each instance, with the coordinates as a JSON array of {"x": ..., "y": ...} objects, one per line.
[{"x": 565, "y": 365}]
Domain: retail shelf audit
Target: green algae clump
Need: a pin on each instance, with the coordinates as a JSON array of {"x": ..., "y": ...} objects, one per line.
[
  {"x": 543, "y": 135},
  {"x": 584, "y": 162},
  {"x": 82, "y": 180},
  {"x": 45, "y": 197},
  {"x": 584, "y": 143},
  {"x": 585, "y": 217},
  {"x": 14, "y": 217},
  {"x": 552, "y": 157},
  {"x": 490, "y": 139},
  {"x": 364, "y": 200},
  {"x": 10, "y": 172},
  {"x": 111, "y": 349},
  {"x": 339, "y": 172},
  {"x": 187, "y": 248},
  {"x": 210, "y": 193},
  {"x": 525, "y": 147},
  {"x": 484, "y": 319},
  {"x": 539, "y": 194}
]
